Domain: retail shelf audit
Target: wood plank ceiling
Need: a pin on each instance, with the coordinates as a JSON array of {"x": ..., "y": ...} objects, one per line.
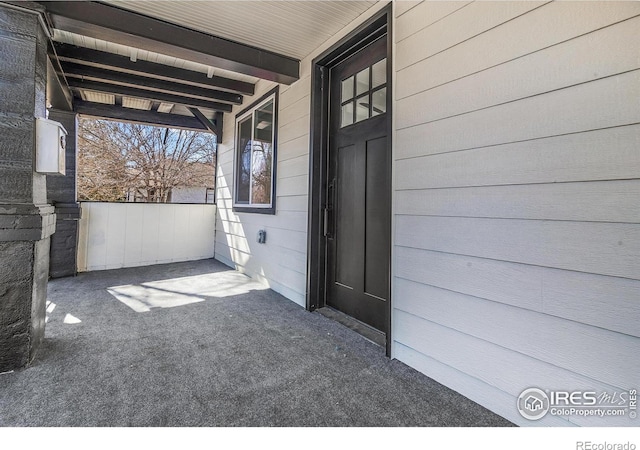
[{"x": 183, "y": 64}]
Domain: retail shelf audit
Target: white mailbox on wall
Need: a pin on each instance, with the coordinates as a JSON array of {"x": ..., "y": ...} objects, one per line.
[{"x": 50, "y": 143}]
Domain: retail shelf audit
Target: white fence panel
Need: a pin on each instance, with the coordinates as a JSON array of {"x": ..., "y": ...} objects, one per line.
[{"x": 116, "y": 235}]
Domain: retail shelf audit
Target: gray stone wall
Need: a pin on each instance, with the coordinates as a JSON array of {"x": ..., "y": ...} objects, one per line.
[
  {"x": 61, "y": 192},
  {"x": 26, "y": 220},
  {"x": 16, "y": 278}
]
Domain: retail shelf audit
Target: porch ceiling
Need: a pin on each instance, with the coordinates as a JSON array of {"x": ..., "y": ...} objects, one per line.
[
  {"x": 183, "y": 63},
  {"x": 291, "y": 28}
]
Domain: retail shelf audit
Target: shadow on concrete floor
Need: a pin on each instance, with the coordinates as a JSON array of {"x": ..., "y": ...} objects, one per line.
[{"x": 198, "y": 344}]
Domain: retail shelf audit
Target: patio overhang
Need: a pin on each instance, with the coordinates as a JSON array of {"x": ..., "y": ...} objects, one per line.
[
  {"x": 103, "y": 76},
  {"x": 178, "y": 64},
  {"x": 125, "y": 27}
]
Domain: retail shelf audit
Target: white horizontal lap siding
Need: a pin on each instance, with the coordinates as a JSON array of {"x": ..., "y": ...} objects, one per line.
[
  {"x": 517, "y": 178},
  {"x": 280, "y": 263}
]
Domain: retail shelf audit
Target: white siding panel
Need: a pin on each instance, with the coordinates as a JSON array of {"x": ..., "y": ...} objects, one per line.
[
  {"x": 551, "y": 24},
  {"x": 298, "y": 90},
  {"x": 168, "y": 233},
  {"x": 574, "y": 157},
  {"x": 294, "y": 167},
  {"x": 151, "y": 226},
  {"x": 480, "y": 359},
  {"x": 603, "y": 103},
  {"x": 97, "y": 236},
  {"x": 425, "y": 14},
  {"x": 292, "y": 240},
  {"x": 272, "y": 272},
  {"x": 403, "y": 6},
  {"x": 115, "y": 233},
  {"x": 279, "y": 267},
  {"x": 239, "y": 242},
  {"x": 604, "y": 201},
  {"x": 464, "y": 24},
  {"x": 590, "y": 351},
  {"x": 473, "y": 388},
  {"x": 120, "y": 235},
  {"x": 296, "y": 185},
  {"x": 602, "y": 248},
  {"x": 509, "y": 283},
  {"x": 181, "y": 235},
  {"x": 516, "y": 228},
  {"x": 295, "y": 129},
  {"x": 133, "y": 236},
  {"x": 83, "y": 238},
  {"x": 231, "y": 255},
  {"x": 194, "y": 244},
  {"x": 281, "y": 262},
  {"x": 284, "y": 220},
  {"x": 606, "y": 302},
  {"x": 596, "y": 55},
  {"x": 290, "y": 112},
  {"x": 294, "y": 148},
  {"x": 293, "y": 203}
]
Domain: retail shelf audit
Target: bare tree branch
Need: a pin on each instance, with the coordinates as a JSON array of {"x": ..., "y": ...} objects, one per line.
[{"x": 115, "y": 159}]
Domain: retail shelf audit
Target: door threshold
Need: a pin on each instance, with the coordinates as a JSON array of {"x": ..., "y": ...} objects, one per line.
[{"x": 364, "y": 330}]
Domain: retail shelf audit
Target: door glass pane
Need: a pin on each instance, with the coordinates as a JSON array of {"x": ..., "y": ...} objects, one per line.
[
  {"x": 362, "y": 108},
  {"x": 379, "y": 73},
  {"x": 379, "y": 100},
  {"x": 362, "y": 81},
  {"x": 262, "y": 155},
  {"x": 347, "y": 89},
  {"x": 243, "y": 174},
  {"x": 347, "y": 114}
]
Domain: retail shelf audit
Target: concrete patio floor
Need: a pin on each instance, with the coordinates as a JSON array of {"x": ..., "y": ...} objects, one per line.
[{"x": 198, "y": 344}]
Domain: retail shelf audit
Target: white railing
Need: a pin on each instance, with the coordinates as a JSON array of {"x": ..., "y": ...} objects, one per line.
[{"x": 116, "y": 235}]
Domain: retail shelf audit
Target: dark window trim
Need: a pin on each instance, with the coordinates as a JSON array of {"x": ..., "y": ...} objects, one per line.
[
  {"x": 274, "y": 175},
  {"x": 378, "y": 25}
]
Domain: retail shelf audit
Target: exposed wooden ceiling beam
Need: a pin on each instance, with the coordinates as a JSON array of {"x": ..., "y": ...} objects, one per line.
[
  {"x": 113, "y": 24},
  {"x": 97, "y": 58},
  {"x": 109, "y": 76},
  {"x": 143, "y": 93},
  {"x": 211, "y": 125},
  {"x": 135, "y": 115}
]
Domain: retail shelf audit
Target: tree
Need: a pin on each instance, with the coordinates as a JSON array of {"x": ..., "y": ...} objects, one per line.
[{"x": 117, "y": 160}]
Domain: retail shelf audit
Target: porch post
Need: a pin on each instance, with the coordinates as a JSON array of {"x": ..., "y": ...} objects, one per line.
[
  {"x": 61, "y": 192},
  {"x": 26, "y": 220}
]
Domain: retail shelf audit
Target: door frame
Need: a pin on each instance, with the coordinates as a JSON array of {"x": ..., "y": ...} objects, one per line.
[{"x": 375, "y": 27}]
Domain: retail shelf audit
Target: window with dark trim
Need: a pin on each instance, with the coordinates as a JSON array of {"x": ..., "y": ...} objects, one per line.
[{"x": 255, "y": 156}]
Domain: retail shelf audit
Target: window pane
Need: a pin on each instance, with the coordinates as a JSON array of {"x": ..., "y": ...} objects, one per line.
[
  {"x": 379, "y": 73},
  {"x": 347, "y": 89},
  {"x": 362, "y": 81},
  {"x": 262, "y": 155},
  {"x": 243, "y": 164},
  {"x": 347, "y": 114},
  {"x": 362, "y": 108},
  {"x": 261, "y": 170},
  {"x": 379, "y": 102},
  {"x": 263, "y": 120}
]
